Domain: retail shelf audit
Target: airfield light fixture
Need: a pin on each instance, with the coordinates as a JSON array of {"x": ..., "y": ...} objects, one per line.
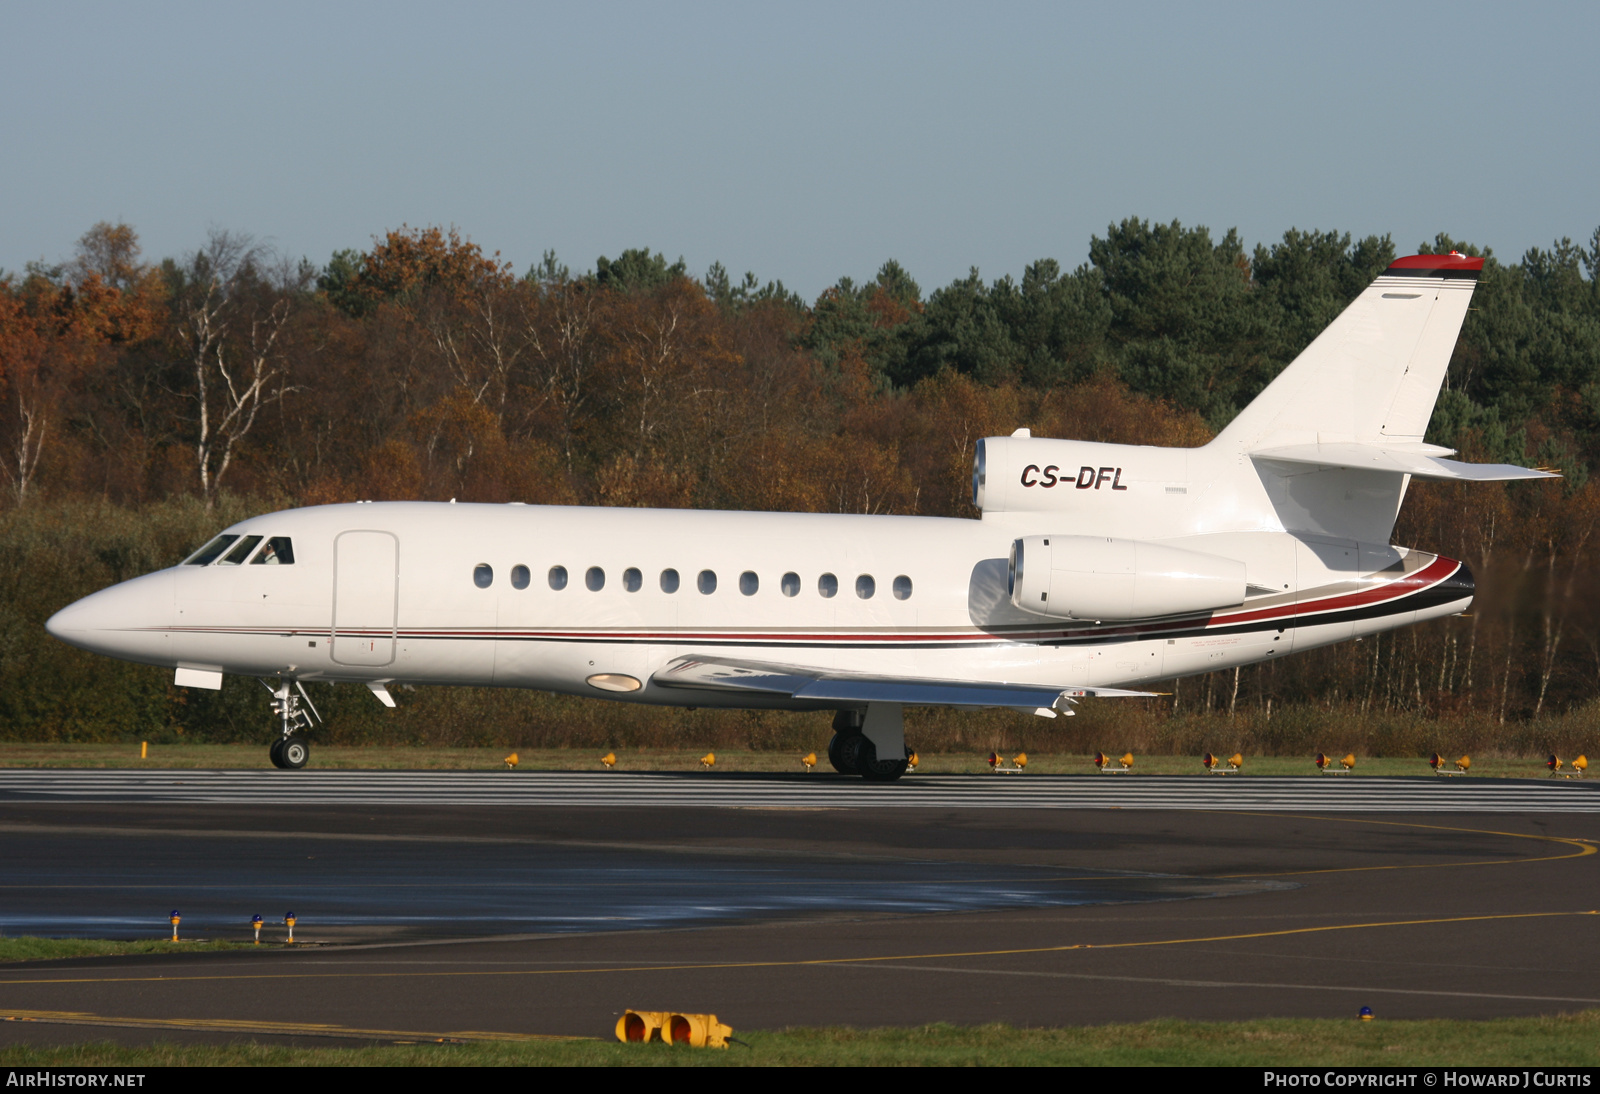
[
  {"x": 255, "y": 921},
  {"x": 288, "y": 921},
  {"x": 608, "y": 761},
  {"x": 641, "y": 1026},
  {"x": 911, "y": 762},
  {"x": 708, "y": 761},
  {"x": 696, "y": 1030},
  {"x": 173, "y": 915},
  {"x": 809, "y": 760},
  {"x": 1021, "y": 760},
  {"x": 512, "y": 761},
  {"x": 1365, "y": 1014}
]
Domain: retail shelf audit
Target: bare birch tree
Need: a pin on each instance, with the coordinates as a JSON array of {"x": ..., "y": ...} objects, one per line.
[{"x": 233, "y": 319}]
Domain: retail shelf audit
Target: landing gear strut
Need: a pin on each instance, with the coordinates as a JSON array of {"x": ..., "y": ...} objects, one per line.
[
  {"x": 852, "y": 752},
  {"x": 291, "y": 750}
]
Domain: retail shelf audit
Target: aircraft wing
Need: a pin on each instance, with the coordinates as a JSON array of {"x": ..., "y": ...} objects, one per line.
[{"x": 799, "y": 682}]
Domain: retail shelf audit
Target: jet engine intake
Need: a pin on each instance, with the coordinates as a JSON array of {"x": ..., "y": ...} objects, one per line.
[{"x": 1100, "y": 578}]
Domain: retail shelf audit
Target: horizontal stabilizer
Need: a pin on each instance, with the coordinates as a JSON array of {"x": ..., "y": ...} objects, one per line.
[
  {"x": 1419, "y": 461},
  {"x": 825, "y": 686}
]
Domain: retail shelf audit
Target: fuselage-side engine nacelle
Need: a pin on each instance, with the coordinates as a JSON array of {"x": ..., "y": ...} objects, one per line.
[{"x": 1100, "y": 578}]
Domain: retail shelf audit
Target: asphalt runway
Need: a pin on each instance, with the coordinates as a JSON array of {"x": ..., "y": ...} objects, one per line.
[
  {"x": 711, "y": 790},
  {"x": 541, "y": 904}
]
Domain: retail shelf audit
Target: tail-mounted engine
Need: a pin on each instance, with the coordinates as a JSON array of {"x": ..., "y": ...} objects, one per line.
[{"x": 1099, "y": 578}]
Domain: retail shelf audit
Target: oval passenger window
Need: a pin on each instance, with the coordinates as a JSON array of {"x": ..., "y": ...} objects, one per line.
[
  {"x": 520, "y": 576},
  {"x": 558, "y": 578},
  {"x": 865, "y": 586},
  {"x": 632, "y": 579},
  {"x": 902, "y": 588},
  {"x": 669, "y": 581},
  {"x": 827, "y": 585},
  {"x": 749, "y": 583},
  {"x": 708, "y": 582},
  {"x": 790, "y": 584},
  {"x": 595, "y": 579},
  {"x": 483, "y": 575}
]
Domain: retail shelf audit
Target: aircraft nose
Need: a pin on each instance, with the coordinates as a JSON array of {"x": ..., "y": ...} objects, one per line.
[{"x": 120, "y": 621}]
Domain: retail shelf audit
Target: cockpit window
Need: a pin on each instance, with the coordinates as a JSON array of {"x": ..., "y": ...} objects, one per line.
[
  {"x": 240, "y": 552},
  {"x": 208, "y": 554},
  {"x": 279, "y": 551}
]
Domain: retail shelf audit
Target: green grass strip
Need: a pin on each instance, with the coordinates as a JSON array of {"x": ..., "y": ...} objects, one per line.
[
  {"x": 28, "y": 948},
  {"x": 1562, "y": 1040}
]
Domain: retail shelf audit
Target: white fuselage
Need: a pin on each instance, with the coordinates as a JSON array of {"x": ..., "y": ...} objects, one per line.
[{"x": 387, "y": 592}]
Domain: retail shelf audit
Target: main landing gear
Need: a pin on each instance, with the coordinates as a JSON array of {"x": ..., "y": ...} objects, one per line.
[
  {"x": 852, "y": 752},
  {"x": 291, "y": 749}
]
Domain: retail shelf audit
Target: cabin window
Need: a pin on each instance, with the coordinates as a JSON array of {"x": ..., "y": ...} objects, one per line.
[
  {"x": 208, "y": 554},
  {"x": 790, "y": 584},
  {"x": 902, "y": 588},
  {"x": 669, "y": 581},
  {"x": 558, "y": 578},
  {"x": 707, "y": 582},
  {"x": 483, "y": 575},
  {"x": 279, "y": 551},
  {"x": 828, "y": 585},
  {"x": 520, "y": 576},
  {"x": 865, "y": 586},
  {"x": 749, "y": 583},
  {"x": 240, "y": 552},
  {"x": 595, "y": 579},
  {"x": 632, "y": 579}
]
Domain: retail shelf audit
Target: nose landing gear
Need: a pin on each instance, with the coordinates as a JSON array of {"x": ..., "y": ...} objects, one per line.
[{"x": 291, "y": 749}]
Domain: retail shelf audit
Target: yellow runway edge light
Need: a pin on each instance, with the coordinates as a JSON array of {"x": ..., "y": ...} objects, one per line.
[
  {"x": 1103, "y": 762},
  {"x": 1325, "y": 766},
  {"x": 1214, "y": 765},
  {"x": 672, "y": 1028}
]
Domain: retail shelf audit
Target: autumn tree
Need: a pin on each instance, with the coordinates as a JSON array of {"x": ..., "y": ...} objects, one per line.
[{"x": 231, "y": 309}]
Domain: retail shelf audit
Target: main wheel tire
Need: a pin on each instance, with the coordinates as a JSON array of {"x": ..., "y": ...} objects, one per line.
[
  {"x": 294, "y": 752},
  {"x": 869, "y": 767},
  {"x": 842, "y": 754},
  {"x": 275, "y": 753}
]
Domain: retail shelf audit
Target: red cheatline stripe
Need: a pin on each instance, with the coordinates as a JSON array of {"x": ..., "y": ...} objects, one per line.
[
  {"x": 1436, "y": 571},
  {"x": 1414, "y": 582}
]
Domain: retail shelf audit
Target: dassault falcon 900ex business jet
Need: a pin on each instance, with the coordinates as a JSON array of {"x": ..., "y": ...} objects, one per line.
[{"x": 1096, "y": 569}]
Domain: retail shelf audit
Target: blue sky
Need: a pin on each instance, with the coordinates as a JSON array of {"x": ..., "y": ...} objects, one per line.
[{"x": 801, "y": 141}]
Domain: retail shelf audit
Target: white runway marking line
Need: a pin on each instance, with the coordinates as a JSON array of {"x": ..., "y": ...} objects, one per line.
[{"x": 616, "y": 790}]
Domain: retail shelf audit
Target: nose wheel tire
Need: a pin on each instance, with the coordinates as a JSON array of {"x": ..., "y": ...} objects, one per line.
[{"x": 290, "y": 752}]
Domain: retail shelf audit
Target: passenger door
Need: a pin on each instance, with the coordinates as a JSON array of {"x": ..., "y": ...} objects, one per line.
[{"x": 366, "y": 567}]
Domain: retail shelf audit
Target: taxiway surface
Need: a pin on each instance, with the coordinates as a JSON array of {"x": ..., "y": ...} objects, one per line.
[{"x": 544, "y": 904}]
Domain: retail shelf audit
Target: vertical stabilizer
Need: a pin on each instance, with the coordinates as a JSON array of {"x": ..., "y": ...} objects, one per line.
[{"x": 1373, "y": 376}]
